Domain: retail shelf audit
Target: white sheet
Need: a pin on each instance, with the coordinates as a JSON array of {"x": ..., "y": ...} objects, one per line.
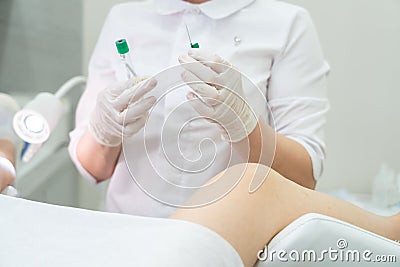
[{"x": 37, "y": 234}]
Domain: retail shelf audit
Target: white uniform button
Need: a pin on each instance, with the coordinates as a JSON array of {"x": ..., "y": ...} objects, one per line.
[{"x": 237, "y": 40}]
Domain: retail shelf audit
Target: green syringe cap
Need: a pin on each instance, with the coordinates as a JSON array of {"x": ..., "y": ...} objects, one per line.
[
  {"x": 195, "y": 45},
  {"x": 122, "y": 46}
]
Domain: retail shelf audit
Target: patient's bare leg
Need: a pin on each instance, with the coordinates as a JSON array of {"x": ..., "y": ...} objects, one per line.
[{"x": 250, "y": 220}]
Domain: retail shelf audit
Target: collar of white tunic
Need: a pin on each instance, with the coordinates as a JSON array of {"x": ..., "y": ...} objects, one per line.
[{"x": 215, "y": 9}]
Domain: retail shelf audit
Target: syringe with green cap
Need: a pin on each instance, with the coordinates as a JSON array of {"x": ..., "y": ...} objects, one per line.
[{"x": 123, "y": 50}]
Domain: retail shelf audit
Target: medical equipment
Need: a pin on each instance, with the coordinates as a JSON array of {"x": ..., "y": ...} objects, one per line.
[
  {"x": 192, "y": 45},
  {"x": 123, "y": 50},
  {"x": 35, "y": 122}
]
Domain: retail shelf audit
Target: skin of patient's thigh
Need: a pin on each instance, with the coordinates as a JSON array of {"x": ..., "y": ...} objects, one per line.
[{"x": 241, "y": 217}]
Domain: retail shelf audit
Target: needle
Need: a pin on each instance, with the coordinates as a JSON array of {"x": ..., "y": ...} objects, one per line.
[{"x": 196, "y": 45}]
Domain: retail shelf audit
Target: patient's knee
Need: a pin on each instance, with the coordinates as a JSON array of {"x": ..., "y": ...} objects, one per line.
[
  {"x": 246, "y": 178},
  {"x": 253, "y": 176},
  {"x": 250, "y": 175}
]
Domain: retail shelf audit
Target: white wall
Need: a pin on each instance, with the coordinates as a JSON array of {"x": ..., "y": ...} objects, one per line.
[
  {"x": 361, "y": 39},
  {"x": 40, "y": 44},
  {"x": 94, "y": 14}
]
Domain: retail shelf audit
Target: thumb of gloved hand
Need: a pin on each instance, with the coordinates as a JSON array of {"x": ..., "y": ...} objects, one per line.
[{"x": 121, "y": 109}]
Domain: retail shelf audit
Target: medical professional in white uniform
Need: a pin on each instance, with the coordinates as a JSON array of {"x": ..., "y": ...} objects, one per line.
[{"x": 272, "y": 43}]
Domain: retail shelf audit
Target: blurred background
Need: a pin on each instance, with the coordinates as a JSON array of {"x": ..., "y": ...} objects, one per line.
[{"x": 45, "y": 42}]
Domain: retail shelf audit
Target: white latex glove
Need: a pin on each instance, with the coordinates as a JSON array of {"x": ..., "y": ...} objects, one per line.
[
  {"x": 219, "y": 85},
  {"x": 122, "y": 101},
  {"x": 8, "y": 108}
]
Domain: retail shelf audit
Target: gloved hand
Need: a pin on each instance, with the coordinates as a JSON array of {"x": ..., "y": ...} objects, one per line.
[
  {"x": 8, "y": 108},
  {"x": 119, "y": 102},
  {"x": 219, "y": 85}
]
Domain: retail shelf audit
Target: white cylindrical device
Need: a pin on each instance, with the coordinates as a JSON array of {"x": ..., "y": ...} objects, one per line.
[{"x": 38, "y": 118}]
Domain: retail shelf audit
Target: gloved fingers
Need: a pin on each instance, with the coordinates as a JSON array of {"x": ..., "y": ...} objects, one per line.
[
  {"x": 118, "y": 88},
  {"x": 199, "y": 106},
  {"x": 139, "y": 79},
  {"x": 106, "y": 123},
  {"x": 132, "y": 128},
  {"x": 210, "y": 59},
  {"x": 197, "y": 68},
  {"x": 208, "y": 94},
  {"x": 121, "y": 102},
  {"x": 110, "y": 121},
  {"x": 227, "y": 76},
  {"x": 106, "y": 131},
  {"x": 121, "y": 94},
  {"x": 115, "y": 96},
  {"x": 136, "y": 110},
  {"x": 106, "y": 107},
  {"x": 141, "y": 89},
  {"x": 106, "y": 135}
]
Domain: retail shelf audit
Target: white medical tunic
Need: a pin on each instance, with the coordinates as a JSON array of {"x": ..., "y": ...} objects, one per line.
[{"x": 274, "y": 44}]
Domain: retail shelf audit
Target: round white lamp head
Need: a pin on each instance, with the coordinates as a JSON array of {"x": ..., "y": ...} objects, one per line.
[{"x": 38, "y": 118}]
